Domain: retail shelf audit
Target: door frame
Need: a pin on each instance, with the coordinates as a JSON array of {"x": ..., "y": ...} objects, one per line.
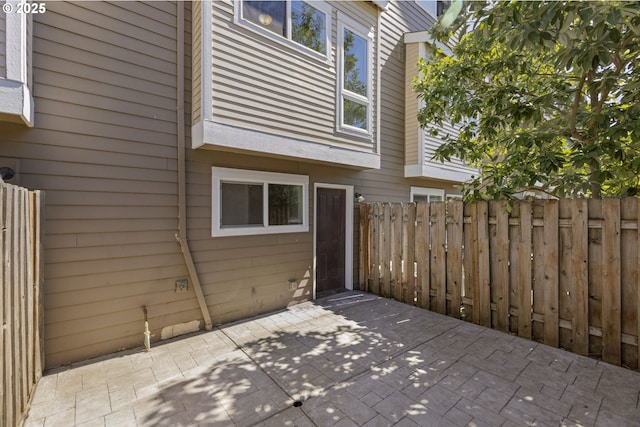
[{"x": 348, "y": 231}]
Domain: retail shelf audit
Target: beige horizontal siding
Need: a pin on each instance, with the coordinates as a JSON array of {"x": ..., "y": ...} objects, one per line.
[
  {"x": 104, "y": 151},
  {"x": 271, "y": 87}
]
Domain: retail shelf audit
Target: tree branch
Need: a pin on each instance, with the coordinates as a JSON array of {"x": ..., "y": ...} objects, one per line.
[{"x": 577, "y": 97}]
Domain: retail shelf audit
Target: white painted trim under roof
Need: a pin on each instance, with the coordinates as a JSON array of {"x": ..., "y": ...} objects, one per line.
[
  {"x": 209, "y": 134},
  {"x": 439, "y": 171}
]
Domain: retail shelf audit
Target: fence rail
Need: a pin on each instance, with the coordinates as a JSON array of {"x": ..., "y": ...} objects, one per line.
[
  {"x": 562, "y": 272},
  {"x": 21, "y": 343}
]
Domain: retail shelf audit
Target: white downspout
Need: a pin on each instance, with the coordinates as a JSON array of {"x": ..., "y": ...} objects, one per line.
[{"x": 181, "y": 236}]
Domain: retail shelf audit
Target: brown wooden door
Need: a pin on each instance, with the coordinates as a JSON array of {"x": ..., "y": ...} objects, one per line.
[{"x": 330, "y": 239}]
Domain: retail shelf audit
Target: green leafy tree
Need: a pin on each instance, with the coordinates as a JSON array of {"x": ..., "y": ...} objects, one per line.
[{"x": 545, "y": 95}]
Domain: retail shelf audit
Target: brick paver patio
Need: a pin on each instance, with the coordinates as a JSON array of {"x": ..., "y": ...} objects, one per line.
[{"x": 351, "y": 359}]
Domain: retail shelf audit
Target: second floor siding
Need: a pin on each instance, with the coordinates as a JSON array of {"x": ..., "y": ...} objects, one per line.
[{"x": 272, "y": 85}]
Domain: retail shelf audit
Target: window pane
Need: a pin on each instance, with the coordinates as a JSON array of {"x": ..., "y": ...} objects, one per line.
[
  {"x": 355, "y": 63},
  {"x": 355, "y": 114},
  {"x": 241, "y": 204},
  {"x": 267, "y": 14},
  {"x": 285, "y": 204},
  {"x": 308, "y": 26}
]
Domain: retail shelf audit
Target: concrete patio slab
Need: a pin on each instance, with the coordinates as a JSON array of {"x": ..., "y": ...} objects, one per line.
[{"x": 351, "y": 359}]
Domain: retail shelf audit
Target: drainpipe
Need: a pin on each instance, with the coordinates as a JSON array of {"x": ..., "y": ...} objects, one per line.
[{"x": 181, "y": 236}]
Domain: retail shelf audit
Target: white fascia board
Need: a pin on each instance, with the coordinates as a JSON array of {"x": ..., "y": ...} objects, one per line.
[
  {"x": 425, "y": 37},
  {"x": 439, "y": 171},
  {"x": 217, "y": 135}
]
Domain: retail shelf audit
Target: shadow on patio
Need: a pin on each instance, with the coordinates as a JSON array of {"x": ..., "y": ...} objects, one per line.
[{"x": 350, "y": 359}]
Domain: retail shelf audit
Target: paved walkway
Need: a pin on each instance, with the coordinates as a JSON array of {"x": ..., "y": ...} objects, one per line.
[{"x": 351, "y": 359}]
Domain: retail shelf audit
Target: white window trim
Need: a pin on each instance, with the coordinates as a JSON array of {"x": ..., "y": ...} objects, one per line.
[
  {"x": 344, "y": 22},
  {"x": 220, "y": 175},
  {"x": 287, "y": 41},
  {"x": 426, "y": 191}
]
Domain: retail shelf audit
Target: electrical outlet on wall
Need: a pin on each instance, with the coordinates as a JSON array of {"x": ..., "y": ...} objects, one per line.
[{"x": 293, "y": 284}]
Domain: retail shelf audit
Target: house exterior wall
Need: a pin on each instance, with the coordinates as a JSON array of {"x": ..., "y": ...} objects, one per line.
[{"x": 104, "y": 149}]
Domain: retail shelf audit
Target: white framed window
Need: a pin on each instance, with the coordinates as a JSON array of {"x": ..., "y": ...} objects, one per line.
[
  {"x": 305, "y": 25},
  {"x": 354, "y": 100},
  {"x": 424, "y": 194},
  {"x": 248, "y": 202}
]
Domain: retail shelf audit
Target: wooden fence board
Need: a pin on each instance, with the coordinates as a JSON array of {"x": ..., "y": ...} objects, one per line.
[
  {"x": 524, "y": 273},
  {"x": 364, "y": 247},
  {"x": 408, "y": 246},
  {"x": 629, "y": 281},
  {"x": 454, "y": 256},
  {"x": 374, "y": 272},
  {"x": 611, "y": 303},
  {"x": 499, "y": 263},
  {"x": 514, "y": 271},
  {"x": 422, "y": 255},
  {"x": 467, "y": 264},
  {"x": 579, "y": 276},
  {"x": 38, "y": 280},
  {"x": 595, "y": 276},
  {"x": 565, "y": 272},
  {"x": 396, "y": 251},
  {"x": 20, "y": 302},
  {"x": 550, "y": 277},
  {"x": 438, "y": 258},
  {"x": 385, "y": 250},
  {"x": 537, "y": 285},
  {"x": 483, "y": 271}
]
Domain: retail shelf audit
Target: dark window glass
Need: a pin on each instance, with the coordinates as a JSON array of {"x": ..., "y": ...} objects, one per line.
[
  {"x": 267, "y": 14},
  {"x": 285, "y": 204},
  {"x": 241, "y": 204}
]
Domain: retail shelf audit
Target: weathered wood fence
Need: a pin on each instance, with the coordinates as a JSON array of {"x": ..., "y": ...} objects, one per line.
[
  {"x": 21, "y": 345},
  {"x": 562, "y": 272}
]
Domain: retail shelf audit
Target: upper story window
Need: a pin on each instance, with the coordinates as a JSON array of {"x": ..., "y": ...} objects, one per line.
[
  {"x": 354, "y": 83},
  {"x": 307, "y": 24}
]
